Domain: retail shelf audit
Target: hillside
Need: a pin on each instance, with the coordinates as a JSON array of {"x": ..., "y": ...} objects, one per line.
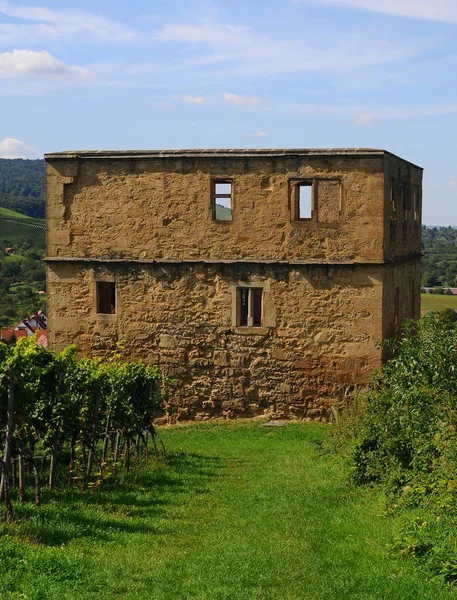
[
  {"x": 17, "y": 229},
  {"x": 22, "y": 186}
]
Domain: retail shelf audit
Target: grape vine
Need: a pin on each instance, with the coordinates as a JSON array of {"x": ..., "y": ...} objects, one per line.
[{"x": 76, "y": 419}]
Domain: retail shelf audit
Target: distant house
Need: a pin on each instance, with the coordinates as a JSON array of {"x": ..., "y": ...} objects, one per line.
[
  {"x": 12, "y": 334},
  {"x": 10, "y": 250},
  {"x": 42, "y": 338},
  {"x": 36, "y": 323}
]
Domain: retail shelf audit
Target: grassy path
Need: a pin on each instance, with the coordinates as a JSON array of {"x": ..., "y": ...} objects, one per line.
[{"x": 240, "y": 512}]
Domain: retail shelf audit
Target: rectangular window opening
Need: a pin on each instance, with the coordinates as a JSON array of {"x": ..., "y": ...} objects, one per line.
[
  {"x": 249, "y": 307},
  {"x": 406, "y": 199},
  {"x": 106, "y": 297},
  {"x": 393, "y": 198},
  {"x": 222, "y": 200},
  {"x": 397, "y": 307},
  {"x": 305, "y": 200},
  {"x": 416, "y": 203}
]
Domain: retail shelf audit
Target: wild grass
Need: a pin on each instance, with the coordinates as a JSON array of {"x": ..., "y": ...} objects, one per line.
[{"x": 238, "y": 511}]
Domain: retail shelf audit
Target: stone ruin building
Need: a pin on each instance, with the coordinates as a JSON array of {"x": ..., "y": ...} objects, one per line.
[{"x": 260, "y": 280}]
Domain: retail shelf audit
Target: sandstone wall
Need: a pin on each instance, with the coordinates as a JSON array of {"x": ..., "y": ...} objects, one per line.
[
  {"x": 403, "y": 213},
  {"x": 318, "y": 342},
  {"x": 401, "y": 296},
  {"x": 146, "y": 223},
  {"x": 159, "y": 208}
]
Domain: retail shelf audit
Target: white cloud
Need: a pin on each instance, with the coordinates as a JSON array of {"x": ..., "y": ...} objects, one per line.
[
  {"x": 28, "y": 63},
  {"x": 453, "y": 182},
  {"x": 238, "y": 100},
  {"x": 436, "y": 10},
  {"x": 12, "y": 148},
  {"x": 392, "y": 112},
  {"x": 227, "y": 50},
  {"x": 56, "y": 24},
  {"x": 364, "y": 119},
  {"x": 193, "y": 99}
]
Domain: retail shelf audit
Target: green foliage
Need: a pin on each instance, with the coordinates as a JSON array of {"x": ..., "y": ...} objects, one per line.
[
  {"x": 65, "y": 407},
  {"x": 22, "y": 275},
  {"x": 405, "y": 436},
  {"x": 439, "y": 263},
  {"x": 22, "y": 186}
]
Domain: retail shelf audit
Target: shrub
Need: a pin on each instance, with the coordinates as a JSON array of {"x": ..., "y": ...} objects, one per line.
[{"x": 402, "y": 434}]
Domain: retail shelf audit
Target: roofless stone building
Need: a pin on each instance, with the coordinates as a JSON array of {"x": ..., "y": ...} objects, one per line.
[{"x": 261, "y": 280}]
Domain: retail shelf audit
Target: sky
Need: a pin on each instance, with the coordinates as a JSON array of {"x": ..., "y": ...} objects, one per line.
[{"x": 159, "y": 74}]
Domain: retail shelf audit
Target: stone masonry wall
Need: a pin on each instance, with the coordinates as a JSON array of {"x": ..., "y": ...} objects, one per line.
[
  {"x": 403, "y": 223},
  {"x": 333, "y": 285},
  {"x": 160, "y": 208},
  {"x": 318, "y": 342}
]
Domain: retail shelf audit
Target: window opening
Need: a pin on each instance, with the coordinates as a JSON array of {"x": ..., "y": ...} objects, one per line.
[
  {"x": 249, "y": 306},
  {"x": 393, "y": 198},
  {"x": 305, "y": 200},
  {"x": 397, "y": 306},
  {"x": 222, "y": 200},
  {"x": 406, "y": 198},
  {"x": 106, "y": 297},
  {"x": 416, "y": 203}
]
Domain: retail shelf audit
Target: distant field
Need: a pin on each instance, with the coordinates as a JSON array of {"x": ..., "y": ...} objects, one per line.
[
  {"x": 15, "y": 228},
  {"x": 437, "y": 302},
  {"x": 6, "y": 213}
]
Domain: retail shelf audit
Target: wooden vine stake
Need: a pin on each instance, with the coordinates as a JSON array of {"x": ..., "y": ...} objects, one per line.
[{"x": 7, "y": 452}]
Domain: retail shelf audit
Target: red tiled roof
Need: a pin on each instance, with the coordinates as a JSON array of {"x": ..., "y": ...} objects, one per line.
[
  {"x": 42, "y": 338},
  {"x": 7, "y": 334}
]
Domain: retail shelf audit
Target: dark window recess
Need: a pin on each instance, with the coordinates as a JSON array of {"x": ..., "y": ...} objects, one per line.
[
  {"x": 397, "y": 307},
  {"x": 393, "y": 198},
  {"x": 106, "y": 297},
  {"x": 406, "y": 197},
  {"x": 416, "y": 203},
  {"x": 304, "y": 200},
  {"x": 222, "y": 200},
  {"x": 249, "y": 307}
]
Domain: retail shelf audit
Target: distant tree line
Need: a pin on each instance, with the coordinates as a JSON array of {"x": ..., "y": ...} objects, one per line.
[
  {"x": 439, "y": 263},
  {"x": 22, "y": 186}
]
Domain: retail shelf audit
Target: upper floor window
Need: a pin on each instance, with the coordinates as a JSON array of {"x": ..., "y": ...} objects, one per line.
[
  {"x": 301, "y": 200},
  {"x": 304, "y": 193},
  {"x": 318, "y": 200},
  {"x": 222, "y": 200},
  {"x": 416, "y": 202},
  {"x": 406, "y": 193},
  {"x": 393, "y": 198}
]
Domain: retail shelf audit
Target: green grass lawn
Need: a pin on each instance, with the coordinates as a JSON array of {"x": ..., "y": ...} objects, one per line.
[
  {"x": 239, "y": 511},
  {"x": 437, "y": 302}
]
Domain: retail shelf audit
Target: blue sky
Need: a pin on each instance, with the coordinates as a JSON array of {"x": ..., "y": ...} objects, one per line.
[{"x": 254, "y": 73}]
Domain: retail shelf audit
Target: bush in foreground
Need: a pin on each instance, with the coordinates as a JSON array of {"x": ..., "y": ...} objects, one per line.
[{"x": 403, "y": 434}]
